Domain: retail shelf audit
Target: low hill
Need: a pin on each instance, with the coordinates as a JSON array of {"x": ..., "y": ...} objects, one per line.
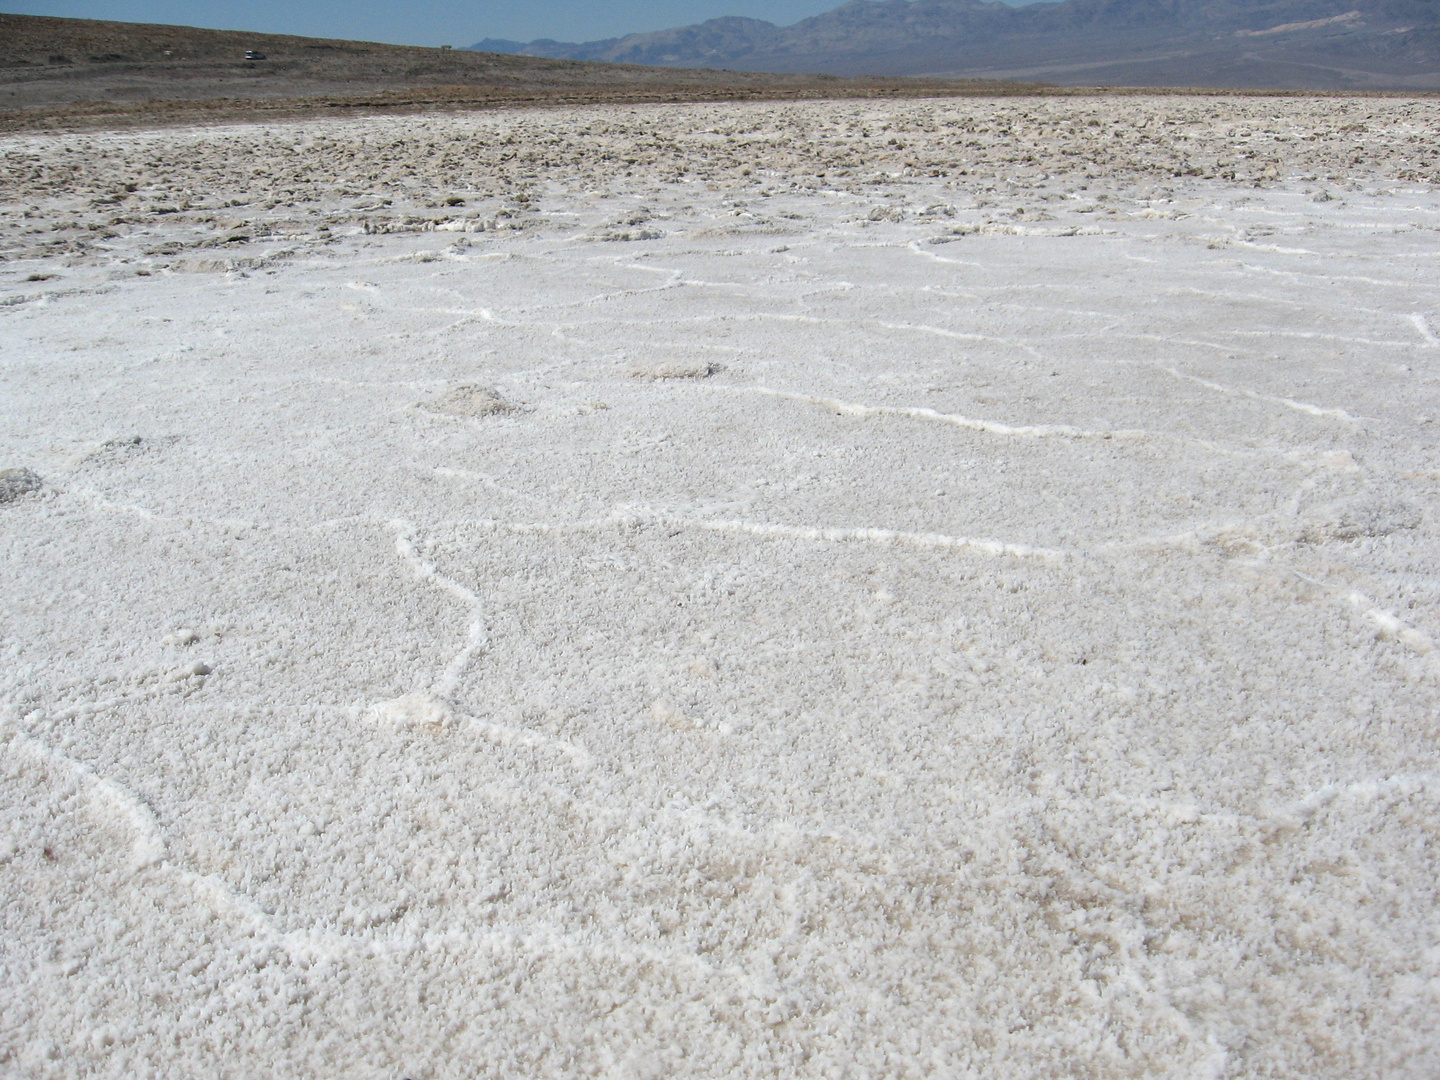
[{"x": 69, "y": 71}]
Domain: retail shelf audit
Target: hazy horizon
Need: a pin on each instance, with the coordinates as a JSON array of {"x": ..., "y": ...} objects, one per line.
[{"x": 430, "y": 23}]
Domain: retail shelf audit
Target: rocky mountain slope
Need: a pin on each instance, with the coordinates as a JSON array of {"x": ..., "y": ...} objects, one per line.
[{"x": 1293, "y": 44}]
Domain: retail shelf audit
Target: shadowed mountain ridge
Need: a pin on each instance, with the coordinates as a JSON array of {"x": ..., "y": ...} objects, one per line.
[{"x": 1287, "y": 44}]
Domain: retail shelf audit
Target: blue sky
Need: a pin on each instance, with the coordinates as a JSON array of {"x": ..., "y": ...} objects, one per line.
[{"x": 427, "y": 22}]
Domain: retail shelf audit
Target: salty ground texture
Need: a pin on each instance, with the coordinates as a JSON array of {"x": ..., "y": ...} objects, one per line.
[{"x": 654, "y": 619}]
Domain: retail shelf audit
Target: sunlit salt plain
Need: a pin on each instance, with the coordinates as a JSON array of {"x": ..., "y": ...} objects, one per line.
[{"x": 935, "y": 628}]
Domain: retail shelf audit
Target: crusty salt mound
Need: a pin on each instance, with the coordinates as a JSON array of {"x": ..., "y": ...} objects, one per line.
[
  {"x": 672, "y": 367},
  {"x": 17, "y": 482},
  {"x": 413, "y": 711},
  {"x": 471, "y": 401}
]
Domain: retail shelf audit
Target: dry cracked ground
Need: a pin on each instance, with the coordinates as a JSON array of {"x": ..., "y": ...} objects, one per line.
[{"x": 849, "y": 589}]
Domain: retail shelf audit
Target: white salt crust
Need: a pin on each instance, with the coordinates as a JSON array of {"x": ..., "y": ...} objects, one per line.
[{"x": 704, "y": 623}]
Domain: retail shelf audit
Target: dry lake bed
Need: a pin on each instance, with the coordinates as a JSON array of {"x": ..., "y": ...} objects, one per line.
[{"x": 926, "y": 589}]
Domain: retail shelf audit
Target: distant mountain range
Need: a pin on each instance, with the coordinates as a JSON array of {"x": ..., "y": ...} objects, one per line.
[{"x": 1278, "y": 44}]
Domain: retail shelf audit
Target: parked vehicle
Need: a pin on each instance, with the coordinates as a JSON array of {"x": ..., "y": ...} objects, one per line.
[{"x": 251, "y": 54}]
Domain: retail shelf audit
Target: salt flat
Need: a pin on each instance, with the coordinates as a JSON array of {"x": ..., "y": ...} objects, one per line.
[{"x": 847, "y": 589}]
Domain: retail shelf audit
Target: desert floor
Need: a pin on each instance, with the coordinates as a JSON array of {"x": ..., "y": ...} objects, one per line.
[{"x": 832, "y": 590}]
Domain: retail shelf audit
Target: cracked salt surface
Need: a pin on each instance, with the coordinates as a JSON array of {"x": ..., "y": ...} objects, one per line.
[{"x": 960, "y": 651}]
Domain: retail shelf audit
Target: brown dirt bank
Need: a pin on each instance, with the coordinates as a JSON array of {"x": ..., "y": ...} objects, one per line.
[
  {"x": 83, "y": 73},
  {"x": 69, "y": 74}
]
